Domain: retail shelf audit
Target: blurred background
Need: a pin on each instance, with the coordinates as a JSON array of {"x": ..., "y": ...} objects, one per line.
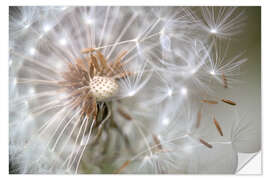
[{"x": 248, "y": 92}]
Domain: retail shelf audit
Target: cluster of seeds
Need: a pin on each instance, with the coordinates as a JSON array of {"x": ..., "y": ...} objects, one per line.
[
  {"x": 92, "y": 79},
  {"x": 103, "y": 87}
]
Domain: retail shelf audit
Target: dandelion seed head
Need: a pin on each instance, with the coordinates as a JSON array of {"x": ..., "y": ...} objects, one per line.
[{"x": 103, "y": 87}]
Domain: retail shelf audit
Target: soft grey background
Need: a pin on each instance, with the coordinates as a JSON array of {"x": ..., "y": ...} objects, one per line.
[{"x": 248, "y": 92}]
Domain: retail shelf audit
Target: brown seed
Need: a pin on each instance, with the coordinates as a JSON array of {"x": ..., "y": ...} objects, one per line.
[
  {"x": 209, "y": 101},
  {"x": 225, "y": 81},
  {"x": 205, "y": 143},
  {"x": 124, "y": 114},
  {"x": 102, "y": 60},
  {"x": 218, "y": 126},
  {"x": 229, "y": 102},
  {"x": 95, "y": 62},
  {"x": 122, "y": 167}
]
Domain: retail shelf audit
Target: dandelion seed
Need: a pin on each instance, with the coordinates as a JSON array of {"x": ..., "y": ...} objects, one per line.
[
  {"x": 206, "y": 143},
  {"x": 228, "y": 102},
  {"x": 218, "y": 126},
  {"x": 225, "y": 81},
  {"x": 209, "y": 101},
  {"x": 224, "y": 20}
]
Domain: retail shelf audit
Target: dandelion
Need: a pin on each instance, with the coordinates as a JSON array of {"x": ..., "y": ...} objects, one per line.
[{"x": 124, "y": 90}]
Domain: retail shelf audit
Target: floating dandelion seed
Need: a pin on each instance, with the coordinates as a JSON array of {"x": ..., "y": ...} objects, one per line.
[
  {"x": 218, "y": 126},
  {"x": 206, "y": 143},
  {"x": 222, "y": 21},
  {"x": 229, "y": 102},
  {"x": 209, "y": 101}
]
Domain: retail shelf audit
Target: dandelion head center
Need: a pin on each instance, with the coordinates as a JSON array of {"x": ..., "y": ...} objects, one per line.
[
  {"x": 103, "y": 87},
  {"x": 92, "y": 79}
]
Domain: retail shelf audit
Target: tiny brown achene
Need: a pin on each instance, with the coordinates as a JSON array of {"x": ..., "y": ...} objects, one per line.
[
  {"x": 205, "y": 143},
  {"x": 225, "y": 81},
  {"x": 228, "y": 102},
  {"x": 209, "y": 101},
  {"x": 218, "y": 126}
]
